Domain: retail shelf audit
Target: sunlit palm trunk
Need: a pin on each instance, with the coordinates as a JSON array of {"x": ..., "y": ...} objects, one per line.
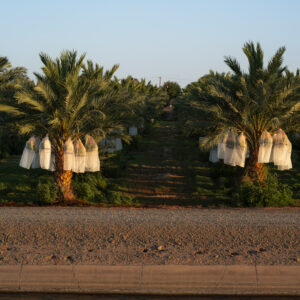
[
  {"x": 254, "y": 170},
  {"x": 62, "y": 177}
]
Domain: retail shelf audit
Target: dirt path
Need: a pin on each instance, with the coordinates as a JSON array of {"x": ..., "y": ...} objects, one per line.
[
  {"x": 53, "y": 235},
  {"x": 160, "y": 174}
]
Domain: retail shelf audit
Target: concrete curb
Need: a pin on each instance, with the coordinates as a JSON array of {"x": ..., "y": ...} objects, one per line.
[{"x": 152, "y": 279}]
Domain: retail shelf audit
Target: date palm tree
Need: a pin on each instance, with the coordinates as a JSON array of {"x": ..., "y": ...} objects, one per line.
[
  {"x": 65, "y": 102},
  {"x": 264, "y": 98}
]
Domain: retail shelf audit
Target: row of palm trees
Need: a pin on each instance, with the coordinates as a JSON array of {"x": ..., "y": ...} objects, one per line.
[
  {"x": 263, "y": 98},
  {"x": 72, "y": 98}
]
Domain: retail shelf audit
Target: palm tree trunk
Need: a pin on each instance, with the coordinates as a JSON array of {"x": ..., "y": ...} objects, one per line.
[
  {"x": 63, "y": 178},
  {"x": 254, "y": 170}
]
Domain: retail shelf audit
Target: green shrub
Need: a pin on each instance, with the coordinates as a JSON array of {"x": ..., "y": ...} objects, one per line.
[
  {"x": 201, "y": 190},
  {"x": 269, "y": 193},
  {"x": 47, "y": 190},
  {"x": 101, "y": 181},
  {"x": 118, "y": 198},
  {"x": 96, "y": 188},
  {"x": 100, "y": 197},
  {"x": 84, "y": 186},
  {"x": 2, "y": 186},
  {"x": 136, "y": 143},
  {"x": 85, "y": 191},
  {"x": 222, "y": 182}
]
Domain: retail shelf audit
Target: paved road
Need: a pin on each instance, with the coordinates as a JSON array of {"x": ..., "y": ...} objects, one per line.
[{"x": 149, "y": 236}]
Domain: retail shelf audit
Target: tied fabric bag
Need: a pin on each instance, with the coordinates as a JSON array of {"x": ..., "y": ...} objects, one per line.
[
  {"x": 45, "y": 153},
  {"x": 36, "y": 159},
  {"x": 213, "y": 155},
  {"x": 92, "y": 163},
  {"x": 133, "y": 131},
  {"x": 52, "y": 163},
  {"x": 221, "y": 147},
  {"x": 69, "y": 155},
  {"x": 80, "y": 157},
  {"x": 288, "y": 163},
  {"x": 229, "y": 149},
  {"x": 265, "y": 147},
  {"x": 240, "y": 151},
  {"x": 272, "y": 151},
  {"x": 111, "y": 145},
  {"x": 28, "y": 154},
  {"x": 280, "y": 149},
  {"x": 119, "y": 145}
]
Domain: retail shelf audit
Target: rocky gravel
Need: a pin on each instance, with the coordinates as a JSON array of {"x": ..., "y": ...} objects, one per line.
[{"x": 68, "y": 235}]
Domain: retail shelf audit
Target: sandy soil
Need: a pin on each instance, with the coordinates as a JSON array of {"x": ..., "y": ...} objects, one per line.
[{"x": 149, "y": 236}]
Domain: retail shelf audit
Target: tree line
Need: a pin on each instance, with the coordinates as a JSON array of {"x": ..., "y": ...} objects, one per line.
[{"x": 71, "y": 99}]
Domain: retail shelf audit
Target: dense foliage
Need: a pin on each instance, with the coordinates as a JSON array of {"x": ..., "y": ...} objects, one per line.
[
  {"x": 10, "y": 80},
  {"x": 264, "y": 98},
  {"x": 173, "y": 89},
  {"x": 72, "y": 99}
]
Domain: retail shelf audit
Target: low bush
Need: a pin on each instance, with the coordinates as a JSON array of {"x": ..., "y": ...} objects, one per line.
[
  {"x": 46, "y": 190},
  {"x": 270, "y": 193},
  {"x": 85, "y": 191},
  {"x": 117, "y": 198},
  {"x": 3, "y": 186},
  {"x": 95, "y": 188}
]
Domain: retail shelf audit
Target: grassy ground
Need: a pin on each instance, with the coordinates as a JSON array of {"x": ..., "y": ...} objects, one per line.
[
  {"x": 161, "y": 168},
  {"x": 18, "y": 185},
  {"x": 166, "y": 168}
]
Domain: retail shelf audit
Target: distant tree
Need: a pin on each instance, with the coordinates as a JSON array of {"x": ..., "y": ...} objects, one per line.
[
  {"x": 173, "y": 89},
  {"x": 10, "y": 80}
]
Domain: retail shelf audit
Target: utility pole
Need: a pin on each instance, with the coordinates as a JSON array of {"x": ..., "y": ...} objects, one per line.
[{"x": 159, "y": 77}]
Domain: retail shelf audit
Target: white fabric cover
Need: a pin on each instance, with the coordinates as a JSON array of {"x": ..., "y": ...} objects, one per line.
[
  {"x": 69, "y": 155},
  {"x": 265, "y": 147},
  {"x": 240, "y": 151},
  {"x": 272, "y": 151},
  {"x": 92, "y": 163},
  {"x": 119, "y": 145},
  {"x": 288, "y": 159},
  {"x": 52, "y": 162},
  {"x": 80, "y": 157},
  {"x": 287, "y": 164},
  {"x": 280, "y": 149},
  {"x": 111, "y": 145},
  {"x": 221, "y": 147},
  {"x": 36, "y": 159},
  {"x": 28, "y": 154},
  {"x": 213, "y": 155},
  {"x": 114, "y": 145},
  {"x": 133, "y": 131},
  {"x": 229, "y": 149},
  {"x": 45, "y": 153}
]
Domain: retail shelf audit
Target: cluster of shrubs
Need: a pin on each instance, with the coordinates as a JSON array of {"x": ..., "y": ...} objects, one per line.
[
  {"x": 268, "y": 193},
  {"x": 271, "y": 192},
  {"x": 90, "y": 188},
  {"x": 97, "y": 189}
]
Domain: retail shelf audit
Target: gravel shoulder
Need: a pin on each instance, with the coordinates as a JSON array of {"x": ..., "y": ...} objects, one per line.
[{"x": 192, "y": 236}]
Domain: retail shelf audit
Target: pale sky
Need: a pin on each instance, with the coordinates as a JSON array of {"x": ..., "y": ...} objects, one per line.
[{"x": 177, "y": 40}]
